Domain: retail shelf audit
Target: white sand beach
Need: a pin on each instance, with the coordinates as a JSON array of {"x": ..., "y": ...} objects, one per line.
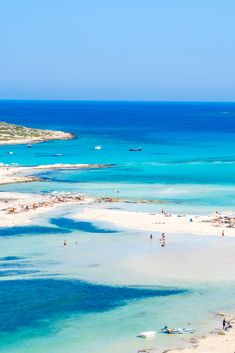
[{"x": 193, "y": 224}]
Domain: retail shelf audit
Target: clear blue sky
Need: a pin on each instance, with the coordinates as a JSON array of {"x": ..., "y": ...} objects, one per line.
[{"x": 123, "y": 49}]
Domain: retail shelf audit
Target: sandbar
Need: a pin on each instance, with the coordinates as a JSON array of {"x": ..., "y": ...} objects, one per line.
[
  {"x": 158, "y": 222},
  {"x": 10, "y": 174}
]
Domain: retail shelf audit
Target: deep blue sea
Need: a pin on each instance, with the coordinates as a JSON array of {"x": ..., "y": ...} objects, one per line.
[{"x": 96, "y": 296}]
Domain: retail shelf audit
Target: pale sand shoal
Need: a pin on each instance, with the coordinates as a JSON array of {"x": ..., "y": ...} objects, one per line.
[
  {"x": 155, "y": 222},
  {"x": 19, "y": 174}
]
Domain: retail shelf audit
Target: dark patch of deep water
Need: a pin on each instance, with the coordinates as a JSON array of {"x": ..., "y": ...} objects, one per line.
[
  {"x": 24, "y": 303},
  {"x": 31, "y": 230},
  {"x": 80, "y": 225}
]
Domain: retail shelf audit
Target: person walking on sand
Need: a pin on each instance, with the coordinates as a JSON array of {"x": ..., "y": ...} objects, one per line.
[
  {"x": 222, "y": 233},
  {"x": 65, "y": 242}
]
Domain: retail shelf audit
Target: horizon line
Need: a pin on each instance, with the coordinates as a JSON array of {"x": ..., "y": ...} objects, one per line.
[{"x": 109, "y": 100}]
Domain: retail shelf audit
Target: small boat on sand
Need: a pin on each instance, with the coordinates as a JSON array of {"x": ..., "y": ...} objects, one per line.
[
  {"x": 147, "y": 334},
  {"x": 135, "y": 149},
  {"x": 177, "y": 331},
  {"x": 98, "y": 148}
]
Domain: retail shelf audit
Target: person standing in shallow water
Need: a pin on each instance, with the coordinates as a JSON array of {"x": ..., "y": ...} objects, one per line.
[
  {"x": 65, "y": 242},
  {"x": 151, "y": 237},
  {"x": 163, "y": 240}
]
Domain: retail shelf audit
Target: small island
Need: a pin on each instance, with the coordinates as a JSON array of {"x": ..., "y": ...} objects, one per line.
[{"x": 14, "y": 134}]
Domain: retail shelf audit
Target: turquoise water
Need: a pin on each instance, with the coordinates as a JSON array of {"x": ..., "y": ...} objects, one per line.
[
  {"x": 108, "y": 284},
  {"x": 188, "y": 147}
]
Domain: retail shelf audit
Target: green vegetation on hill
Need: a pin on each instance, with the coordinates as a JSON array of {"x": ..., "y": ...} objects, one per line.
[{"x": 20, "y": 134}]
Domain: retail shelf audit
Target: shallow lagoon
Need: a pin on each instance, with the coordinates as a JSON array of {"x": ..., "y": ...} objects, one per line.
[{"x": 108, "y": 286}]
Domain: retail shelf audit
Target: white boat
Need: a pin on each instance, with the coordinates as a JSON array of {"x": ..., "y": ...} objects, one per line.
[
  {"x": 29, "y": 145},
  {"x": 10, "y": 152},
  {"x": 99, "y": 147},
  {"x": 177, "y": 331},
  {"x": 147, "y": 334},
  {"x": 135, "y": 149},
  {"x": 58, "y": 154}
]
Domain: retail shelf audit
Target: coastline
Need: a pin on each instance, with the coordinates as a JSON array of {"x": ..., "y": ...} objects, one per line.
[{"x": 11, "y": 134}]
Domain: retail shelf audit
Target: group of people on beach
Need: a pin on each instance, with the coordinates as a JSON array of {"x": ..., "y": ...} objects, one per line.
[
  {"x": 223, "y": 220},
  {"x": 162, "y": 239},
  {"x": 166, "y": 214}
]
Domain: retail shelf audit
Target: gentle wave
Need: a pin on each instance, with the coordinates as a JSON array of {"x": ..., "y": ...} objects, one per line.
[{"x": 189, "y": 162}]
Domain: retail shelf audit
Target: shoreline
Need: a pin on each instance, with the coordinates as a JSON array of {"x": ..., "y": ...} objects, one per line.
[{"x": 217, "y": 341}]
